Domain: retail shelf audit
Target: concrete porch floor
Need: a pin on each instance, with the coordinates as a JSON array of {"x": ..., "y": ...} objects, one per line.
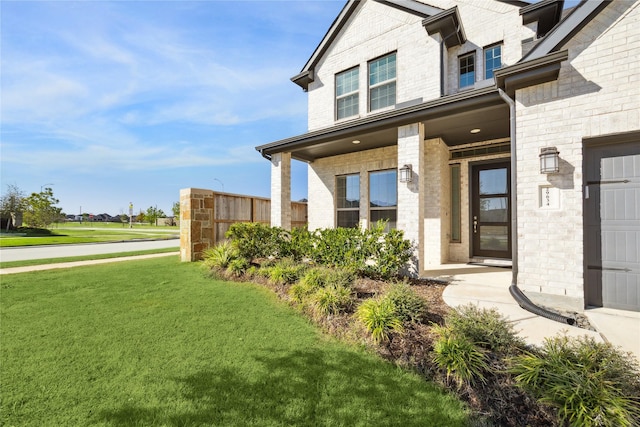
[{"x": 488, "y": 287}]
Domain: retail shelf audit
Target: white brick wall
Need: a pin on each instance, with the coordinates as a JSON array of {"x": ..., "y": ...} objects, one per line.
[
  {"x": 281, "y": 190},
  {"x": 321, "y": 180},
  {"x": 597, "y": 93}
]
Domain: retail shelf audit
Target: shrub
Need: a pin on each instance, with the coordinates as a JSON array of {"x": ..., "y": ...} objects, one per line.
[
  {"x": 317, "y": 278},
  {"x": 285, "y": 272},
  {"x": 237, "y": 267},
  {"x": 484, "y": 327},
  {"x": 380, "y": 318},
  {"x": 333, "y": 299},
  {"x": 385, "y": 253},
  {"x": 408, "y": 305},
  {"x": 254, "y": 240},
  {"x": 591, "y": 384},
  {"x": 459, "y": 357},
  {"x": 220, "y": 256}
]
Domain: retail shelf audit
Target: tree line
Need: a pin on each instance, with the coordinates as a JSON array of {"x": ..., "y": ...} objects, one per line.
[{"x": 39, "y": 210}]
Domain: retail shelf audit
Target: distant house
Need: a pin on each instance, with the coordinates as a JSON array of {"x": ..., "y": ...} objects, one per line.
[{"x": 487, "y": 130}]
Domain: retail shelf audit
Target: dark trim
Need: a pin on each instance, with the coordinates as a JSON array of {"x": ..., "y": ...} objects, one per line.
[
  {"x": 413, "y": 7},
  {"x": 547, "y": 13},
  {"x": 449, "y": 25},
  {"x": 303, "y": 79},
  {"x": 612, "y": 138},
  {"x": 536, "y": 71},
  {"x": 397, "y": 117},
  {"x": 580, "y": 16}
]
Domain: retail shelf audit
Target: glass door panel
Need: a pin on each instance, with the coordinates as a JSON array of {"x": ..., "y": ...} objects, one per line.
[{"x": 491, "y": 210}]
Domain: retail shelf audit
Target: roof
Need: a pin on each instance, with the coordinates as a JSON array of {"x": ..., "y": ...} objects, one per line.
[{"x": 414, "y": 7}]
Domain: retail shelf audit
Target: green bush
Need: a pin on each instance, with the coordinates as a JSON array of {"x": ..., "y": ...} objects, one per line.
[
  {"x": 286, "y": 272},
  {"x": 459, "y": 357},
  {"x": 220, "y": 256},
  {"x": 254, "y": 240},
  {"x": 333, "y": 299},
  {"x": 408, "y": 305},
  {"x": 317, "y": 278},
  {"x": 486, "y": 328},
  {"x": 379, "y": 318},
  {"x": 590, "y": 383},
  {"x": 238, "y": 267}
]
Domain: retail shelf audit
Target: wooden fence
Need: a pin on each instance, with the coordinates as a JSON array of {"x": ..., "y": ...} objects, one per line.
[{"x": 206, "y": 215}]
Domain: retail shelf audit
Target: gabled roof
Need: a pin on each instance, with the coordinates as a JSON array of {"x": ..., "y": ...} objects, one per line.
[
  {"x": 414, "y": 7},
  {"x": 547, "y": 13},
  {"x": 580, "y": 16}
]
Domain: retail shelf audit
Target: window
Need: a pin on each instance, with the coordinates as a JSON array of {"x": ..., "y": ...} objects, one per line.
[
  {"x": 455, "y": 203},
  {"x": 348, "y": 200},
  {"x": 467, "y": 70},
  {"x": 383, "y": 197},
  {"x": 492, "y": 60},
  {"x": 382, "y": 82},
  {"x": 347, "y": 93}
]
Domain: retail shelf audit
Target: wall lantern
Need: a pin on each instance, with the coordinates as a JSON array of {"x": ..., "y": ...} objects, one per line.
[
  {"x": 549, "y": 160},
  {"x": 406, "y": 173}
]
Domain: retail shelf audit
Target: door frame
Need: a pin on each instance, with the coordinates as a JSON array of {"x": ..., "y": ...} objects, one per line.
[{"x": 474, "y": 198}]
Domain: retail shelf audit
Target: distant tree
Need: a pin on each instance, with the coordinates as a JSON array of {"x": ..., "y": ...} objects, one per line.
[
  {"x": 140, "y": 217},
  {"x": 40, "y": 210},
  {"x": 124, "y": 218},
  {"x": 175, "y": 209},
  {"x": 12, "y": 205},
  {"x": 152, "y": 215}
]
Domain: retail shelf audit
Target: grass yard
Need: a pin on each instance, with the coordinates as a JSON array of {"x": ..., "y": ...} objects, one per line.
[
  {"x": 155, "y": 342},
  {"x": 57, "y": 236}
]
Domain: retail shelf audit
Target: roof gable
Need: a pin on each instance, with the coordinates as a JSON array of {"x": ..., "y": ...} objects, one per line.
[{"x": 414, "y": 7}]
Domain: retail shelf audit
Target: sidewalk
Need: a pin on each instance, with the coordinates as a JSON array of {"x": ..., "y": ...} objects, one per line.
[
  {"x": 14, "y": 270},
  {"x": 488, "y": 287}
]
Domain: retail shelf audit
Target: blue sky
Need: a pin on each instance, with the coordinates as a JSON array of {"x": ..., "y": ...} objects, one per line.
[
  {"x": 130, "y": 101},
  {"x": 111, "y": 102}
]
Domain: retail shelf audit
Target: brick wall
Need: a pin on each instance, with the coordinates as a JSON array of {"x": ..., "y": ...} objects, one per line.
[{"x": 597, "y": 93}]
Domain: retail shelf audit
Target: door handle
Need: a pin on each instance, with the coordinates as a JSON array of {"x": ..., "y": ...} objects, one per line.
[{"x": 475, "y": 224}]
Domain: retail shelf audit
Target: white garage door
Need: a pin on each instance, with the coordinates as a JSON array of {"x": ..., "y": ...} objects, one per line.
[{"x": 612, "y": 241}]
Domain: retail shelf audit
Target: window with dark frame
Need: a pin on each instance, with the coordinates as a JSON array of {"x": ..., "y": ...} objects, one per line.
[
  {"x": 382, "y": 82},
  {"x": 348, "y": 200},
  {"x": 492, "y": 60},
  {"x": 467, "y": 70},
  {"x": 383, "y": 197},
  {"x": 455, "y": 204},
  {"x": 347, "y": 102}
]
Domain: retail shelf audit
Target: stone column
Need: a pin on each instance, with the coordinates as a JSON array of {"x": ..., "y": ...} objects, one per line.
[
  {"x": 196, "y": 223},
  {"x": 281, "y": 190},
  {"x": 411, "y": 194},
  {"x": 436, "y": 231}
]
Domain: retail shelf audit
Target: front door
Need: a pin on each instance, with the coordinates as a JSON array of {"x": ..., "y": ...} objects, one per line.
[{"x": 491, "y": 210}]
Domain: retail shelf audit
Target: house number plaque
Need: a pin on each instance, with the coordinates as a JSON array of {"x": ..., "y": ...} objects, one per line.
[{"x": 549, "y": 197}]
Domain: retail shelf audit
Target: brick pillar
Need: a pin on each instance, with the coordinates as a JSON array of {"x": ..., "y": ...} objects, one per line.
[
  {"x": 436, "y": 231},
  {"x": 281, "y": 190},
  {"x": 196, "y": 223},
  {"x": 411, "y": 194}
]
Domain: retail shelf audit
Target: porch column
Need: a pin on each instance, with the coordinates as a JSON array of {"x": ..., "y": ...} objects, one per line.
[
  {"x": 281, "y": 190},
  {"x": 410, "y": 217}
]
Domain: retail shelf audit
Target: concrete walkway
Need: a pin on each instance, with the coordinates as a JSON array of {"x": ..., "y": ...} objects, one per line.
[
  {"x": 488, "y": 287},
  {"x": 15, "y": 270}
]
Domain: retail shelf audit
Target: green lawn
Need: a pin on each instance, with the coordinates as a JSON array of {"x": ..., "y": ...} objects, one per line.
[
  {"x": 88, "y": 235},
  {"x": 155, "y": 342}
]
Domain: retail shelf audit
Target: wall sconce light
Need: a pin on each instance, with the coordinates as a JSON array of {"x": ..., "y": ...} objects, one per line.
[
  {"x": 549, "y": 160},
  {"x": 406, "y": 173}
]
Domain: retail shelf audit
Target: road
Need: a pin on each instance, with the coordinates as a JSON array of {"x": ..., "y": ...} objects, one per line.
[{"x": 60, "y": 251}]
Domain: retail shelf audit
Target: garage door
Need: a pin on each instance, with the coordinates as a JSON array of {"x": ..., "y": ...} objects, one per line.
[{"x": 612, "y": 241}]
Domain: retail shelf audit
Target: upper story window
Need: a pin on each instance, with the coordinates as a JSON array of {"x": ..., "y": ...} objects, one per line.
[
  {"x": 347, "y": 93},
  {"x": 382, "y": 82},
  {"x": 383, "y": 197},
  {"x": 492, "y": 60},
  {"x": 467, "y": 70},
  {"x": 348, "y": 200}
]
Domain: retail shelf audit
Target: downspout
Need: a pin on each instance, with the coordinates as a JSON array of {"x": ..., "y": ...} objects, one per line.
[{"x": 516, "y": 292}]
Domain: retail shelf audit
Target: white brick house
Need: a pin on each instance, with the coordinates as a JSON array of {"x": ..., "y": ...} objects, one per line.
[{"x": 464, "y": 95}]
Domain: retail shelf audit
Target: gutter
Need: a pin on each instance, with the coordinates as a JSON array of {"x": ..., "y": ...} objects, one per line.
[{"x": 516, "y": 292}]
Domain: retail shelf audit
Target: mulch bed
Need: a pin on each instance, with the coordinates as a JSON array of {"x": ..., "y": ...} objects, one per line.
[{"x": 497, "y": 402}]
